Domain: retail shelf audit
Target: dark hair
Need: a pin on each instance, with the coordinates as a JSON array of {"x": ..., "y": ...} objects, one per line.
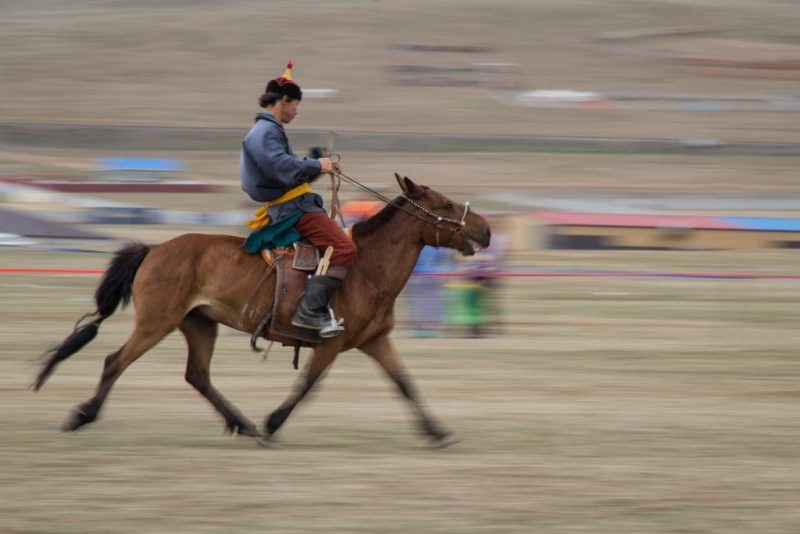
[
  {"x": 276, "y": 90},
  {"x": 269, "y": 99}
]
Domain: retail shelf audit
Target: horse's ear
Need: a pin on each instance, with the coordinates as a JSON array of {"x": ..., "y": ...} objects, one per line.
[
  {"x": 400, "y": 182},
  {"x": 411, "y": 189}
]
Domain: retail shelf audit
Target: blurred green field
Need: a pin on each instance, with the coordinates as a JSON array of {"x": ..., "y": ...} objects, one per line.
[{"x": 610, "y": 405}]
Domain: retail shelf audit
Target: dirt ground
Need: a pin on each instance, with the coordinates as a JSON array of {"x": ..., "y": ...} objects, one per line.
[{"x": 608, "y": 405}]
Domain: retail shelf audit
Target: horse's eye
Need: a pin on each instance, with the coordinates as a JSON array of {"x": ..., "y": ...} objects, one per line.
[{"x": 449, "y": 206}]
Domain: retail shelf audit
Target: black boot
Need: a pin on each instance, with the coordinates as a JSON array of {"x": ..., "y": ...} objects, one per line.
[{"x": 313, "y": 312}]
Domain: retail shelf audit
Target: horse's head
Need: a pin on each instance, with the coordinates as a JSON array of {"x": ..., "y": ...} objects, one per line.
[{"x": 451, "y": 224}]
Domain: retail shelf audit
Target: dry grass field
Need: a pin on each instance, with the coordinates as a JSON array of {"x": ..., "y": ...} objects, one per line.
[
  {"x": 194, "y": 62},
  {"x": 609, "y": 405}
]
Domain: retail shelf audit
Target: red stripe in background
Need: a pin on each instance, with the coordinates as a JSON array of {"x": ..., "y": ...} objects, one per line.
[
  {"x": 35, "y": 270},
  {"x": 723, "y": 275}
]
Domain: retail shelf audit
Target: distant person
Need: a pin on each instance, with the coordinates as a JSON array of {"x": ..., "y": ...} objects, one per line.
[
  {"x": 475, "y": 298},
  {"x": 424, "y": 291},
  {"x": 271, "y": 173},
  {"x": 466, "y": 299}
]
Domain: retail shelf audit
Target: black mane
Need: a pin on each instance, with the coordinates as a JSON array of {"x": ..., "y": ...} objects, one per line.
[{"x": 363, "y": 228}]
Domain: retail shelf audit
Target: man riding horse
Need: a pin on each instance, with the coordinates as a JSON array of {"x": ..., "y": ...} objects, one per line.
[
  {"x": 271, "y": 173},
  {"x": 195, "y": 282}
]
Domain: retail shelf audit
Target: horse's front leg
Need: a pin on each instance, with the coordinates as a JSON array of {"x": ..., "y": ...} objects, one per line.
[
  {"x": 323, "y": 357},
  {"x": 382, "y": 350}
]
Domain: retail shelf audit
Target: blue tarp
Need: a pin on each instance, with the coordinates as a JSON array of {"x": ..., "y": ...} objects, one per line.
[
  {"x": 773, "y": 224},
  {"x": 139, "y": 164}
]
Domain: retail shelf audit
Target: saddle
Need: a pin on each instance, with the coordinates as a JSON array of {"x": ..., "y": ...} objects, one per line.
[{"x": 293, "y": 266}]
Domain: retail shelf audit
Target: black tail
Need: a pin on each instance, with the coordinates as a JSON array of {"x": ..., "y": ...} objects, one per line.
[{"x": 115, "y": 287}]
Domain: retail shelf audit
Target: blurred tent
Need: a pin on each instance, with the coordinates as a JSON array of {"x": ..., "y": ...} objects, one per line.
[
  {"x": 123, "y": 175},
  {"x": 14, "y": 240},
  {"x": 137, "y": 169},
  {"x": 355, "y": 211},
  {"x": 22, "y": 224}
]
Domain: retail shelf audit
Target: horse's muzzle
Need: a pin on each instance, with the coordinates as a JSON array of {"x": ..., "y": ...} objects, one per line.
[{"x": 472, "y": 246}]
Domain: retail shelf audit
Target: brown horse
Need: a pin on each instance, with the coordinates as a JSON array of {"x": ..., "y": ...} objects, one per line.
[{"x": 194, "y": 282}]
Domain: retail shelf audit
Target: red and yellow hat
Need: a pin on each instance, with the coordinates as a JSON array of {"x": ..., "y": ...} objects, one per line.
[{"x": 285, "y": 84}]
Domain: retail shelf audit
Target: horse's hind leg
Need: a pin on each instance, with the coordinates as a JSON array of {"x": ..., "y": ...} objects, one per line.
[
  {"x": 144, "y": 337},
  {"x": 382, "y": 350},
  {"x": 201, "y": 334}
]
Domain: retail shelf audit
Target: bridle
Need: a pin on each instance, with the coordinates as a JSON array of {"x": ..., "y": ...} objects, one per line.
[
  {"x": 438, "y": 219},
  {"x": 430, "y": 218}
]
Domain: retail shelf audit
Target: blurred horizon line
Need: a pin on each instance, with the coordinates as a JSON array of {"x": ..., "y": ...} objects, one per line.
[{"x": 162, "y": 137}]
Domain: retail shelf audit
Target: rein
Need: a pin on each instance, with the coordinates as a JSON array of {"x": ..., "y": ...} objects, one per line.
[{"x": 437, "y": 219}]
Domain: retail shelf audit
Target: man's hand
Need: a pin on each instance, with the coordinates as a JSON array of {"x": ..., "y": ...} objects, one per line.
[{"x": 328, "y": 165}]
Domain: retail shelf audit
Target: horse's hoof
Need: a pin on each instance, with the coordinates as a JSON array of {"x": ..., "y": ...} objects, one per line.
[
  {"x": 70, "y": 425},
  {"x": 241, "y": 428},
  {"x": 77, "y": 419},
  {"x": 443, "y": 441},
  {"x": 249, "y": 431},
  {"x": 267, "y": 440}
]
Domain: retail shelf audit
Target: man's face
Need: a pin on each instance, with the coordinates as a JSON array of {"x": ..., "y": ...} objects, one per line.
[{"x": 287, "y": 110}]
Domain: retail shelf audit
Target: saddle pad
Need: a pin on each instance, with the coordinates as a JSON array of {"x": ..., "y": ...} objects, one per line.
[
  {"x": 304, "y": 256},
  {"x": 291, "y": 285}
]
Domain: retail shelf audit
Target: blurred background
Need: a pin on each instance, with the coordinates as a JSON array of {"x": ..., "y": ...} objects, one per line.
[{"x": 632, "y": 354}]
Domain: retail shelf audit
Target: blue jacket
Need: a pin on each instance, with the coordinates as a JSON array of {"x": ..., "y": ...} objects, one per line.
[{"x": 268, "y": 168}]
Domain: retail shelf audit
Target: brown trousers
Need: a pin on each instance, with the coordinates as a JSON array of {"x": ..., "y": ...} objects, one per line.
[{"x": 323, "y": 232}]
